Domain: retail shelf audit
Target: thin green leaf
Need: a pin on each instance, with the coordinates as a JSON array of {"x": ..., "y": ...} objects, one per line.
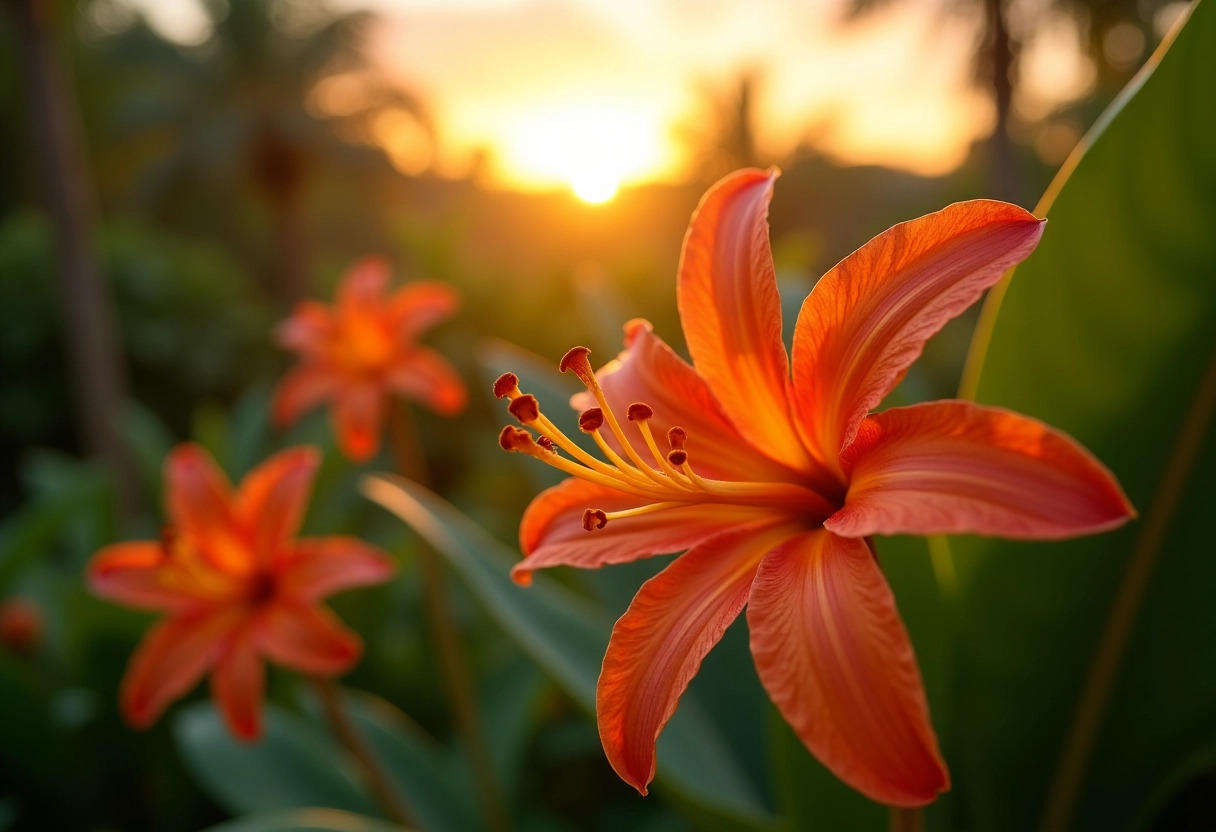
[
  {"x": 307, "y": 820},
  {"x": 415, "y": 762},
  {"x": 567, "y": 637}
]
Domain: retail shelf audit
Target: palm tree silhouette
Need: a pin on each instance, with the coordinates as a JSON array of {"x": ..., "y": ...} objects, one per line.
[{"x": 238, "y": 108}]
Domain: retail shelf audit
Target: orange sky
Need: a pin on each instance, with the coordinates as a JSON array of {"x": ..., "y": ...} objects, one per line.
[{"x": 592, "y": 94}]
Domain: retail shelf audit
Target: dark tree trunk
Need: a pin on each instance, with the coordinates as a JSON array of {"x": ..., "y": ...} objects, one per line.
[
  {"x": 291, "y": 280},
  {"x": 279, "y": 171},
  {"x": 1000, "y": 58},
  {"x": 98, "y": 377}
]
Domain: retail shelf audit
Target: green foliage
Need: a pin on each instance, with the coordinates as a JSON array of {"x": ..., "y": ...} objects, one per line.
[
  {"x": 307, "y": 820},
  {"x": 567, "y": 637},
  {"x": 294, "y": 766},
  {"x": 1087, "y": 669},
  {"x": 433, "y": 781},
  {"x": 190, "y": 325},
  {"x": 1105, "y": 332}
]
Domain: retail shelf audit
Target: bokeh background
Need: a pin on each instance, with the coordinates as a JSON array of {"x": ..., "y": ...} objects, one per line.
[{"x": 176, "y": 174}]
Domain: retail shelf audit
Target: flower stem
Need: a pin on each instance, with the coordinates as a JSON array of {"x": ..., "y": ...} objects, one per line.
[
  {"x": 344, "y": 729},
  {"x": 906, "y": 820},
  {"x": 453, "y": 666}
]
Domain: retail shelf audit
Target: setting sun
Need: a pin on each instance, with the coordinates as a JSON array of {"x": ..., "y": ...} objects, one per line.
[{"x": 592, "y": 150}]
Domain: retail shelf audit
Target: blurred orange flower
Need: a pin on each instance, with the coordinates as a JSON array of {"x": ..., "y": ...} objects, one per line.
[
  {"x": 21, "y": 625},
  {"x": 364, "y": 348},
  {"x": 236, "y": 586},
  {"x": 775, "y": 482}
]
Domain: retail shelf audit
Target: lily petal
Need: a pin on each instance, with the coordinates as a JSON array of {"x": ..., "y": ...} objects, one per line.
[
  {"x": 955, "y": 467},
  {"x": 650, "y": 371},
  {"x": 302, "y": 389},
  {"x": 199, "y": 499},
  {"x": 308, "y": 638},
  {"x": 133, "y": 575},
  {"x": 171, "y": 659},
  {"x": 418, "y": 306},
  {"x": 325, "y": 565},
  {"x": 237, "y": 685},
  {"x": 834, "y": 656},
  {"x": 658, "y": 644},
  {"x": 274, "y": 496},
  {"x": 731, "y": 311},
  {"x": 868, "y": 318},
  {"x": 361, "y": 289},
  {"x": 425, "y": 375},
  {"x": 307, "y": 330},
  {"x": 358, "y": 413},
  {"x": 551, "y": 532}
]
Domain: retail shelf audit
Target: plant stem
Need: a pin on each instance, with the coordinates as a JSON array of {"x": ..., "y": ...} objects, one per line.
[
  {"x": 344, "y": 729},
  {"x": 906, "y": 820},
  {"x": 453, "y": 665}
]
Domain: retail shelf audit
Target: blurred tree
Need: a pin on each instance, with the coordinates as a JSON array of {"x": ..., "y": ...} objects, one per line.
[
  {"x": 1115, "y": 32},
  {"x": 723, "y": 139},
  {"x": 99, "y": 379},
  {"x": 244, "y": 105}
]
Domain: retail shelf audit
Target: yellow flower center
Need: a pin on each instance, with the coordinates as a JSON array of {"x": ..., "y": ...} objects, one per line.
[{"x": 671, "y": 482}]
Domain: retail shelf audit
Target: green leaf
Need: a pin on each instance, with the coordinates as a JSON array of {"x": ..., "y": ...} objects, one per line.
[
  {"x": 307, "y": 820},
  {"x": 148, "y": 441},
  {"x": 294, "y": 765},
  {"x": 1087, "y": 669},
  {"x": 566, "y": 636},
  {"x": 417, "y": 765},
  {"x": 71, "y": 506},
  {"x": 508, "y": 708}
]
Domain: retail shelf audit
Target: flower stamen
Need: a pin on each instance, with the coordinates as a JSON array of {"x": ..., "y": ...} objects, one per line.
[
  {"x": 575, "y": 360},
  {"x": 518, "y": 440},
  {"x": 526, "y": 409},
  {"x": 640, "y": 415},
  {"x": 590, "y": 421},
  {"x": 672, "y": 484},
  {"x": 649, "y": 508},
  {"x": 505, "y": 385},
  {"x": 594, "y": 518}
]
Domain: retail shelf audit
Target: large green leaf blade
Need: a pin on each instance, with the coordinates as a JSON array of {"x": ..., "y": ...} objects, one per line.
[
  {"x": 307, "y": 820},
  {"x": 567, "y": 637},
  {"x": 292, "y": 766},
  {"x": 1108, "y": 332}
]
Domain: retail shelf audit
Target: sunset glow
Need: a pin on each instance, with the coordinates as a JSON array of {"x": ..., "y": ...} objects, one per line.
[
  {"x": 588, "y": 96},
  {"x": 592, "y": 150}
]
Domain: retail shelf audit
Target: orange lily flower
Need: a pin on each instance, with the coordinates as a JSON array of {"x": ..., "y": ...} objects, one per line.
[
  {"x": 363, "y": 349},
  {"x": 236, "y": 586},
  {"x": 774, "y": 482}
]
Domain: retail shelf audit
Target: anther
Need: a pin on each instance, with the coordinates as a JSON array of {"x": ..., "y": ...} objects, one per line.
[
  {"x": 545, "y": 442},
  {"x": 594, "y": 518},
  {"x": 640, "y": 412},
  {"x": 575, "y": 360},
  {"x": 677, "y": 458},
  {"x": 591, "y": 420},
  {"x": 506, "y": 384},
  {"x": 676, "y": 437},
  {"x": 525, "y": 408},
  {"x": 515, "y": 439}
]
